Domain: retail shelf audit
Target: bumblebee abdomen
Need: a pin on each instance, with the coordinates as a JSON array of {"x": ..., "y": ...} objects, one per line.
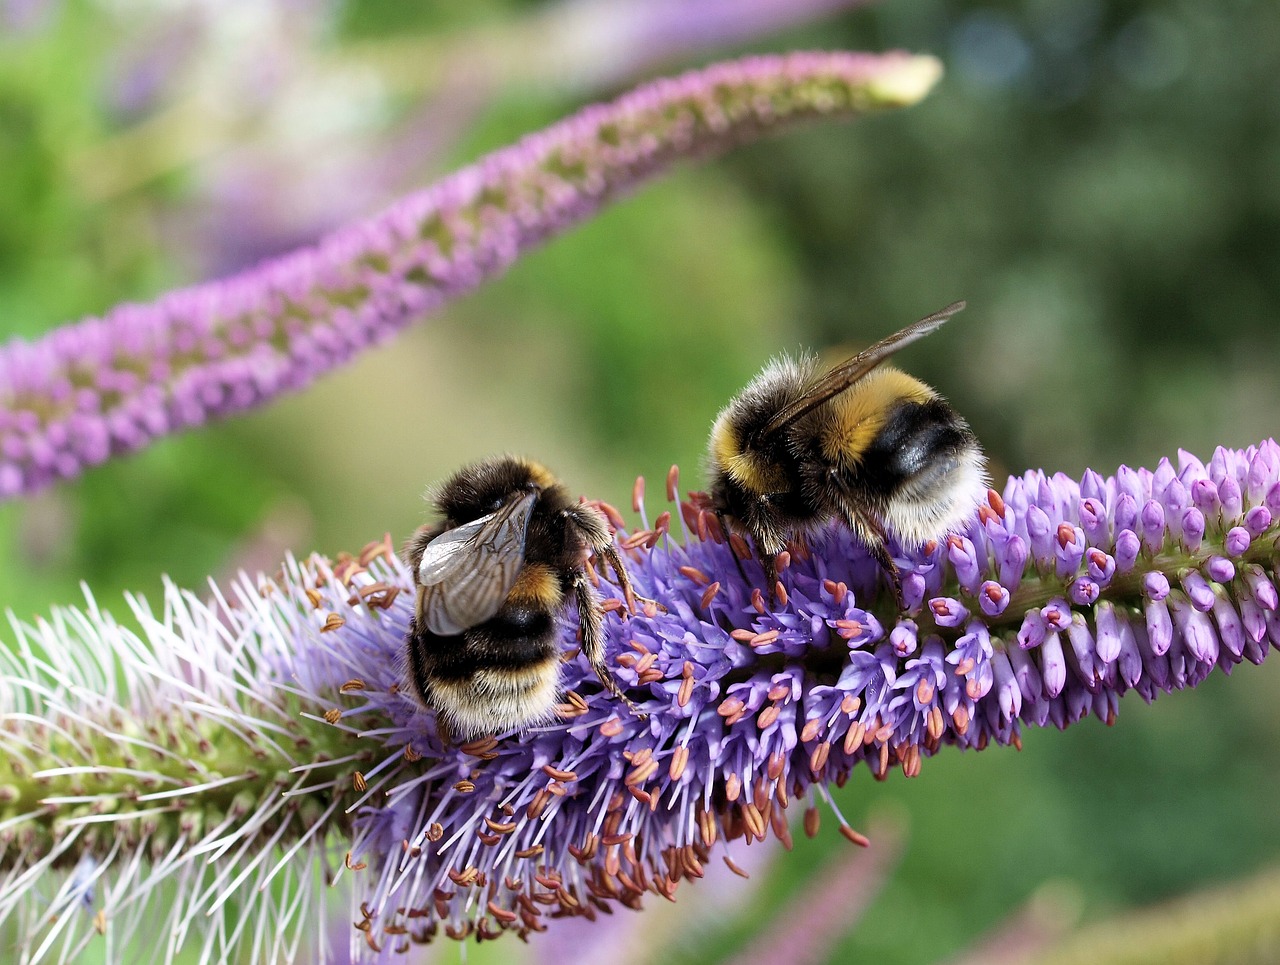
[
  {"x": 495, "y": 676},
  {"x": 917, "y": 442}
]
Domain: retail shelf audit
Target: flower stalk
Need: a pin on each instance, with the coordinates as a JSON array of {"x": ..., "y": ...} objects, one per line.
[
  {"x": 110, "y": 385},
  {"x": 237, "y": 749}
]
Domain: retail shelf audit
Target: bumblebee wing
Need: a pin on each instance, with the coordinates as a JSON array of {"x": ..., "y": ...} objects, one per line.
[
  {"x": 466, "y": 573},
  {"x": 848, "y": 372}
]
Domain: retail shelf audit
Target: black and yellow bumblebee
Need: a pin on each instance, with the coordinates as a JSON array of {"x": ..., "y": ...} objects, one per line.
[
  {"x": 494, "y": 576},
  {"x": 865, "y": 444}
]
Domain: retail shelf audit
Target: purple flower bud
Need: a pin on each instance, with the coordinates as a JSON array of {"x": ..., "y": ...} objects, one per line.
[
  {"x": 1085, "y": 651},
  {"x": 1159, "y": 625},
  {"x": 1152, "y": 526},
  {"x": 1083, "y": 591},
  {"x": 948, "y": 612},
  {"x": 1262, "y": 472},
  {"x": 1093, "y": 486},
  {"x": 1262, "y": 588},
  {"x": 1220, "y": 569},
  {"x": 1031, "y": 634},
  {"x": 1008, "y": 694},
  {"x": 1257, "y": 520},
  {"x": 903, "y": 638},
  {"x": 1093, "y": 520},
  {"x": 1056, "y": 614},
  {"x": 1195, "y": 629},
  {"x": 1237, "y": 541},
  {"x": 1230, "y": 627},
  {"x": 1161, "y": 479},
  {"x": 1204, "y": 496},
  {"x": 1030, "y": 683},
  {"x": 1108, "y": 633},
  {"x": 1272, "y": 499},
  {"x": 964, "y": 561},
  {"x": 1129, "y": 660},
  {"x": 1012, "y": 559},
  {"x": 1054, "y": 664},
  {"x": 1232, "y": 503},
  {"x": 1253, "y": 618},
  {"x": 1155, "y": 586},
  {"x": 1040, "y": 534},
  {"x": 1192, "y": 524},
  {"x": 1128, "y": 547},
  {"x": 913, "y": 591},
  {"x": 1126, "y": 513},
  {"x": 1102, "y": 566},
  {"x": 1198, "y": 590},
  {"x": 992, "y": 598},
  {"x": 1069, "y": 546}
]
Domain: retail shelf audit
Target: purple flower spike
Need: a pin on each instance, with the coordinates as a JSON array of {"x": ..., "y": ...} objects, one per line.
[
  {"x": 206, "y": 768},
  {"x": 111, "y": 385}
]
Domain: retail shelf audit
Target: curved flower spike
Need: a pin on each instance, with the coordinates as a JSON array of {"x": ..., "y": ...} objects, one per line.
[
  {"x": 200, "y": 775},
  {"x": 110, "y": 385}
]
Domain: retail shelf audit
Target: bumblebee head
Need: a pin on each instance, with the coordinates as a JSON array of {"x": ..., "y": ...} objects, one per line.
[
  {"x": 737, "y": 452},
  {"x": 485, "y": 487}
]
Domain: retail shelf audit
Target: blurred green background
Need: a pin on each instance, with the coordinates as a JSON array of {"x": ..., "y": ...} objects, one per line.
[{"x": 1099, "y": 180}]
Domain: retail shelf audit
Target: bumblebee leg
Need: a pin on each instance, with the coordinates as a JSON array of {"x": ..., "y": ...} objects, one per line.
[
  {"x": 591, "y": 623},
  {"x": 614, "y": 559},
  {"x": 770, "y": 541},
  {"x": 594, "y": 531}
]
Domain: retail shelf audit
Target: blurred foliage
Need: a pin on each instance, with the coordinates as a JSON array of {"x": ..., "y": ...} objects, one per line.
[{"x": 1098, "y": 180}]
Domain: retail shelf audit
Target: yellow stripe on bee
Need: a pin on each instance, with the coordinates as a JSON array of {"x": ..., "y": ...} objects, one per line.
[
  {"x": 536, "y": 583},
  {"x": 540, "y": 474},
  {"x": 746, "y": 469},
  {"x": 858, "y": 414}
]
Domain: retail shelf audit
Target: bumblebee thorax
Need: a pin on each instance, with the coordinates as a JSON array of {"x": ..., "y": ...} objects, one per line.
[{"x": 850, "y": 423}]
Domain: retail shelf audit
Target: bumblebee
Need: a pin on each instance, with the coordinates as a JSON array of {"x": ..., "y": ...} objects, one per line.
[
  {"x": 493, "y": 577},
  {"x": 868, "y": 445}
]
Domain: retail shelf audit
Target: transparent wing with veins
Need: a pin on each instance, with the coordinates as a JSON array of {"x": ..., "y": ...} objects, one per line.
[{"x": 466, "y": 572}]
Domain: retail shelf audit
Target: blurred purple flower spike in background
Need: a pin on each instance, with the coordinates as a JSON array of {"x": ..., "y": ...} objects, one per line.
[
  {"x": 111, "y": 385},
  {"x": 272, "y": 736}
]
